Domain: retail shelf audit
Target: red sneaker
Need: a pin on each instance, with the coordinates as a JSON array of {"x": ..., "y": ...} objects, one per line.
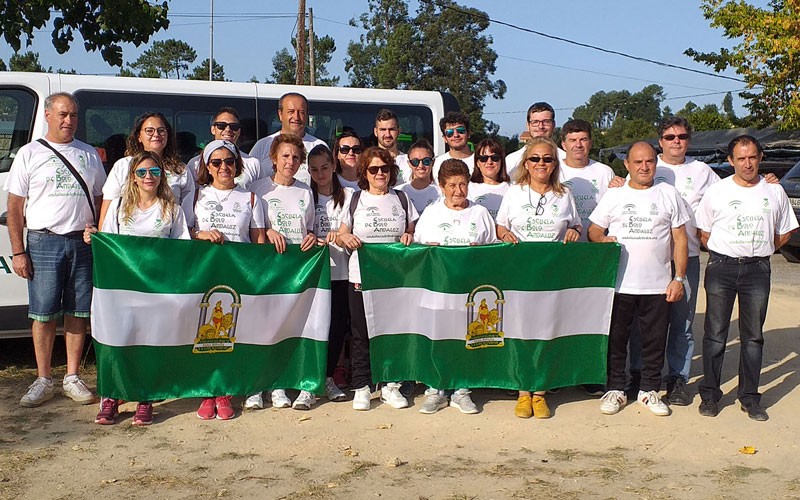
[
  {"x": 224, "y": 408},
  {"x": 340, "y": 376},
  {"x": 109, "y": 409},
  {"x": 207, "y": 410},
  {"x": 143, "y": 415}
]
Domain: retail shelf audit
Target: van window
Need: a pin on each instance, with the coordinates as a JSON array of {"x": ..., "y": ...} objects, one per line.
[
  {"x": 17, "y": 106},
  {"x": 326, "y": 120},
  {"x": 106, "y": 118}
]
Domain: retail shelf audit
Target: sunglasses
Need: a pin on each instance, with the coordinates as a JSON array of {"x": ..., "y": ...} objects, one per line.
[
  {"x": 216, "y": 162},
  {"x": 149, "y": 131},
  {"x": 537, "y": 159},
  {"x": 671, "y": 137},
  {"x": 223, "y": 125},
  {"x": 494, "y": 158},
  {"x": 427, "y": 161},
  {"x": 142, "y": 172},
  {"x": 451, "y": 131},
  {"x": 383, "y": 168},
  {"x": 540, "y": 205},
  {"x": 345, "y": 150}
]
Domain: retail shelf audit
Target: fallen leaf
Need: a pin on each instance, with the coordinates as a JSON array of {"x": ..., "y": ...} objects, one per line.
[
  {"x": 748, "y": 450},
  {"x": 303, "y": 419},
  {"x": 395, "y": 462},
  {"x": 385, "y": 426}
]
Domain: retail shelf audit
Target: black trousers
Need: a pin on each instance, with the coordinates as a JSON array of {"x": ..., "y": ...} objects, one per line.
[
  {"x": 651, "y": 313},
  {"x": 340, "y": 323},
  {"x": 359, "y": 346}
]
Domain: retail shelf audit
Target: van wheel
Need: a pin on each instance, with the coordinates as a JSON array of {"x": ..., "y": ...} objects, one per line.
[{"x": 792, "y": 254}]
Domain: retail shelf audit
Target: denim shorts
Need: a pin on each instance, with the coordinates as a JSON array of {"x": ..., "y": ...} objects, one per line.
[{"x": 62, "y": 276}]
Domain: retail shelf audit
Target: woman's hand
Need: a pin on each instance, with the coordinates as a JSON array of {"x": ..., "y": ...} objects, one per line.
[
  {"x": 406, "y": 239},
  {"x": 572, "y": 234},
  {"x": 87, "y": 233},
  {"x": 214, "y": 236},
  {"x": 277, "y": 239},
  {"x": 349, "y": 241},
  {"x": 308, "y": 242}
]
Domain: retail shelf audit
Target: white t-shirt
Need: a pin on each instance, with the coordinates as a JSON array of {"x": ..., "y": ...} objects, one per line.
[
  {"x": 250, "y": 173},
  {"x": 150, "y": 222},
  {"x": 327, "y": 218},
  {"x": 587, "y": 185},
  {"x": 261, "y": 151},
  {"x": 55, "y": 199},
  {"x": 289, "y": 209},
  {"x": 437, "y": 163},
  {"x": 377, "y": 219},
  {"x": 448, "y": 227},
  {"x": 405, "y": 173},
  {"x": 421, "y": 198},
  {"x": 348, "y": 184},
  {"x": 743, "y": 221},
  {"x": 513, "y": 160},
  {"x": 642, "y": 221},
  {"x": 488, "y": 195},
  {"x": 228, "y": 211},
  {"x": 691, "y": 179},
  {"x": 518, "y": 214}
]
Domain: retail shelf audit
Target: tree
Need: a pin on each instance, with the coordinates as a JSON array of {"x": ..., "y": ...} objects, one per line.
[
  {"x": 168, "y": 56},
  {"x": 441, "y": 48},
  {"x": 284, "y": 63},
  {"x": 3, "y": 66},
  {"x": 28, "y": 61},
  {"x": 200, "y": 72},
  {"x": 708, "y": 117},
  {"x": 103, "y": 24},
  {"x": 767, "y": 55}
]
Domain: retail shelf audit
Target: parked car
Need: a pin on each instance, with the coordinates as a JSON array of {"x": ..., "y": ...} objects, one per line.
[{"x": 791, "y": 184}]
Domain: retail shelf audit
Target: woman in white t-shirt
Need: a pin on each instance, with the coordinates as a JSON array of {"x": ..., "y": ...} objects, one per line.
[
  {"x": 146, "y": 208},
  {"x": 347, "y": 152},
  {"x": 152, "y": 132},
  {"x": 381, "y": 215},
  {"x": 490, "y": 180},
  {"x": 330, "y": 202},
  {"x": 422, "y": 190},
  {"x": 224, "y": 212},
  {"x": 537, "y": 208}
]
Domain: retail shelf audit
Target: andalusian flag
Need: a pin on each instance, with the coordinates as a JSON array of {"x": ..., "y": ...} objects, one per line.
[
  {"x": 531, "y": 316},
  {"x": 179, "y": 318}
]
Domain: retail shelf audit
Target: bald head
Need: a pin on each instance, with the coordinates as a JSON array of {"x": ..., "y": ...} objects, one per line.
[{"x": 641, "y": 164}]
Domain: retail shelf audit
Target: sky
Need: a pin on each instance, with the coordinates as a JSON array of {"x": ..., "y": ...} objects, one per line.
[{"x": 247, "y": 33}]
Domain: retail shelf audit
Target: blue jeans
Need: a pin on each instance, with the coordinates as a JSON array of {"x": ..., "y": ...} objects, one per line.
[
  {"x": 680, "y": 337},
  {"x": 727, "y": 277}
]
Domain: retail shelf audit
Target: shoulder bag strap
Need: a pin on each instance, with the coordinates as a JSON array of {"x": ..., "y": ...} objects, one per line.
[
  {"x": 75, "y": 174},
  {"x": 403, "y": 197},
  {"x": 354, "y": 205}
]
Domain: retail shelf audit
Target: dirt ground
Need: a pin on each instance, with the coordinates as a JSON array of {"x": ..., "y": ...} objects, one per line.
[{"x": 330, "y": 452}]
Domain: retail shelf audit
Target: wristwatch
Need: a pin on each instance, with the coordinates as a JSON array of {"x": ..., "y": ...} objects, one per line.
[{"x": 679, "y": 279}]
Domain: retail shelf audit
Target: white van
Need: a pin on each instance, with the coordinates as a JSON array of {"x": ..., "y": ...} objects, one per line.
[{"x": 109, "y": 105}]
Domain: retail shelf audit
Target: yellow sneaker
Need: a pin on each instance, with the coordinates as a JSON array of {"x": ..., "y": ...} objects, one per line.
[
  {"x": 523, "y": 408},
  {"x": 539, "y": 406}
]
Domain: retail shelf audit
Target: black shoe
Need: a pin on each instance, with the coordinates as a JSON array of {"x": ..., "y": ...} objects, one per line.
[
  {"x": 594, "y": 389},
  {"x": 407, "y": 388},
  {"x": 709, "y": 408},
  {"x": 678, "y": 395},
  {"x": 632, "y": 388},
  {"x": 756, "y": 412}
]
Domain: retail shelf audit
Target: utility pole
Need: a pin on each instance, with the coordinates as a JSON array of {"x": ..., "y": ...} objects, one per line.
[
  {"x": 211, "y": 38},
  {"x": 311, "y": 46},
  {"x": 301, "y": 43}
]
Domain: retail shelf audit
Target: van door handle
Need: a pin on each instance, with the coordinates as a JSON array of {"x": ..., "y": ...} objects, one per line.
[{"x": 4, "y": 219}]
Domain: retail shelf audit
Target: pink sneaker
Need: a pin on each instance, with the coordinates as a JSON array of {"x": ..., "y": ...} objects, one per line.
[
  {"x": 207, "y": 409},
  {"x": 224, "y": 408},
  {"x": 109, "y": 409},
  {"x": 143, "y": 415}
]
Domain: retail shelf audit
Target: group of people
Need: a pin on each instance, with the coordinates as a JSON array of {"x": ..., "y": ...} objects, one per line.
[{"x": 293, "y": 190}]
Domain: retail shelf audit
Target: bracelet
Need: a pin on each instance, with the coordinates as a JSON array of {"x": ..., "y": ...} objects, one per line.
[
  {"x": 576, "y": 230},
  {"x": 19, "y": 253}
]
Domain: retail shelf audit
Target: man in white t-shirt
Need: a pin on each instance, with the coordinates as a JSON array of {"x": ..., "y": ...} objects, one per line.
[
  {"x": 293, "y": 114},
  {"x": 225, "y": 126},
  {"x": 387, "y": 130},
  {"x": 743, "y": 219},
  {"x": 45, "y": 197},
  {"x": 456, "y": 131},
  {"x": 541, "y": 122},
  {"x": 648, "y": 220}
]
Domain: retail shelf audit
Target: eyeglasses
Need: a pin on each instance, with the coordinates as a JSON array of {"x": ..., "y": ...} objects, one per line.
[
  {"x": 357, "y": 150},
  {"x": 149, "y": 131},
  {"x": 540, "y": 205},
  {"x": 383, "y": 168},
  {"x": 427, "y": 161},
  {"x": 451, "y": 131},
  {"x": 545, "y": 122},
  {"x": 142, "y": 172},
  {"x": 671, "y": 137},
  {"x": 537, "y": 159},
  {"x": 217, "y": 162},
  {"x": 482, "y": 158},
  {"x": 223, "y": 125}
]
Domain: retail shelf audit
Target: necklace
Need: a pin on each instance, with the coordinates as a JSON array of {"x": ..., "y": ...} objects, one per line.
[{"x": 218, "y": 206}]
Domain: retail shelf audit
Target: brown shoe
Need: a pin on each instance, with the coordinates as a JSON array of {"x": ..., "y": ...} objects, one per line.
[
  {"x": 523, "y": 408},
  {"x": 540, "y": 408}
]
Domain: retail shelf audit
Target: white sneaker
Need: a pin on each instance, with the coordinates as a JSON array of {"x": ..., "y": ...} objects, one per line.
[
  {"x": 332, "y": 391},
  {"x": 651, "y": 401},
  {"x": 612, "y": 402},
  {"x": 75, "y": 389},
  {"x": 435, "y": 400},
  {"x": 254, "y": 402},
  {"x": 461, "y": 400},
  {"x": 39, "y": 391},
  {"x": 361, "y": 398},
  {"x": 390, "y": 394},
  {"x": 280, "y": 399},
  {"x": 305, "y": 400}
]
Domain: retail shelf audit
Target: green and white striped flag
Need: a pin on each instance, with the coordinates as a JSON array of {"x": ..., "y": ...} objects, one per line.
[
  {"x": 179, "y": 318},
  {"x": 531, "y": 316}
]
